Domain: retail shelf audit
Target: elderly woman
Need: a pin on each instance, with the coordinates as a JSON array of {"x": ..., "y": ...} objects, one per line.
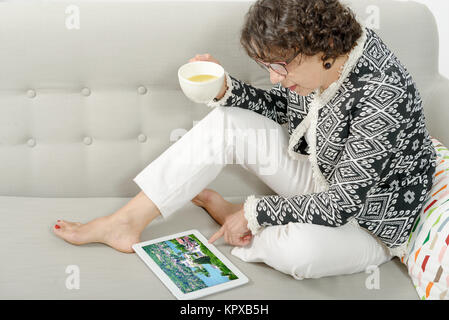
[{"x": 352, "y": 168}]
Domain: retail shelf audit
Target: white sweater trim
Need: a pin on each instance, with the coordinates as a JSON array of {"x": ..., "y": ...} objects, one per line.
[
  {"x": 319, "y": 101},
  {"x": 227, "y": 94},
  {"x": 399, "y": 251},
  {"x": 251, "y": 214}
]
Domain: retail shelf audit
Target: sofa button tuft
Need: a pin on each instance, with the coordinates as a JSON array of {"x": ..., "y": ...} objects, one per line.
[
  {"x": 87, "y": 140},
  {"x": 142, "y": 90},
  {"x": 31, "y": 142},
  {"x": 31, "y": 93},
  {"x": 142, "y": 137},
  {"x": 85, "y": 91}
]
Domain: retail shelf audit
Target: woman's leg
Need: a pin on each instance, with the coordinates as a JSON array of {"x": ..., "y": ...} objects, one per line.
[
  {"x": 226, "y": 135},
  {"x": 119, "y": 230},
  {"x": 283, "y": 175},
  {"x": 172, "y": 179},
  {"x": 312, "y": 251}
]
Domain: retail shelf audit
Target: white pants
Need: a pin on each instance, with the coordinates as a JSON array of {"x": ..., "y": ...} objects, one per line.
[{"x": 221, "y": 137}]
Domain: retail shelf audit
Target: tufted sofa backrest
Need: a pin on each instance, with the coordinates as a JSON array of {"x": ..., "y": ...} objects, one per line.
[{"x": 89, "y": 92}]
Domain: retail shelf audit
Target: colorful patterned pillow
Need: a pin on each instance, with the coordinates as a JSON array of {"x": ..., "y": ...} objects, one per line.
[{"x": 427, "y": 257}]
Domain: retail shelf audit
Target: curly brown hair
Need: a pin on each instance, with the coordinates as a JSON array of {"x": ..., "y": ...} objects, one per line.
[{"x": 275, "y": 30}]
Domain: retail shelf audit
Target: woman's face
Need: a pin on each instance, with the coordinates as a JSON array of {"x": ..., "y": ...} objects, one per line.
[{"x": 305, "y": 74}]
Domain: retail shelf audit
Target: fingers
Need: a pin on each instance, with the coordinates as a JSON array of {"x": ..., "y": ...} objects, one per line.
[
  {"x": 248, "y": 233},
  {"x": 200, "y": 57},
  {"x": 239, "y": 240},
  {"x": 217, "y": 235},
  {"x": 242, "y": 241},
  {"x": 248, "y": 236},
  {"x": 227, "y": 237},
  {"x": 245, "y": 241},
  {"x": 203, "y": 57},
  {"x": 232, "y": 238}
]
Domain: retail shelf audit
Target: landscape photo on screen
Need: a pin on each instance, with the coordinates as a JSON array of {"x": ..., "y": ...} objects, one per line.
[{"x": 189, "y": 263}]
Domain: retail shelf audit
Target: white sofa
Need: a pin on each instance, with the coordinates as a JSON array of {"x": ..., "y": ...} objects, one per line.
[{"x": 84, "y": 110}]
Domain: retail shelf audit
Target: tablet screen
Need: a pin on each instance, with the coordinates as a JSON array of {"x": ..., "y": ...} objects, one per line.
[{"x": 189, "y": 263}]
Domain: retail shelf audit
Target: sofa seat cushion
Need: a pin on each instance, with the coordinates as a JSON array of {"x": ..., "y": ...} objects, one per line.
[{"x": 34, "y": 261}]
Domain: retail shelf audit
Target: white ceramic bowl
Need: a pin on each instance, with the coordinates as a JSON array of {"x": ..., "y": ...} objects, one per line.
[{"x": 201, "y": 92}]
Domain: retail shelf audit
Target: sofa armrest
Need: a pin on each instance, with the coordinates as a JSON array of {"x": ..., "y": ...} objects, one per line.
[{"x": 436, "y": 108}]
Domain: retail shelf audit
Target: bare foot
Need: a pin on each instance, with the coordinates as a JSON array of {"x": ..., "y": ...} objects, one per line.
[
  {"x": 119, "y": 230},
  {"x": 115, "y": 231},
  {"x": 217, "y": 207}
]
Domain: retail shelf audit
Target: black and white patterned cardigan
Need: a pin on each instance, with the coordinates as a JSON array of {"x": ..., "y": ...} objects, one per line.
[{"x": 372, "y": 157}]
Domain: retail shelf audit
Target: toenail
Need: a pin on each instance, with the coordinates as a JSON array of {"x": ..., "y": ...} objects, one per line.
[{"x": 57, "y": 227}]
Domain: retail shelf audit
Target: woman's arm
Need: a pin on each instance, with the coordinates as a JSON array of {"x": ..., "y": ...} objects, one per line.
[{"x": 269, "y": 103}]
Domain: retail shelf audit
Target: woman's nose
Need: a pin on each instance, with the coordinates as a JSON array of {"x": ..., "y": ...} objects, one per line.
[{"x": 275, "y": 77}]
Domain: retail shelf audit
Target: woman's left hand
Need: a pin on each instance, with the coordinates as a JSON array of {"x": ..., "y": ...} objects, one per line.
[{"x": 235, "y": 230}]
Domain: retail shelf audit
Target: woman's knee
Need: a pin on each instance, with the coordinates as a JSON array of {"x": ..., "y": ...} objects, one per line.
[
  {"x": 235, "y": 122},
  {"x": 306, "y": 253}
]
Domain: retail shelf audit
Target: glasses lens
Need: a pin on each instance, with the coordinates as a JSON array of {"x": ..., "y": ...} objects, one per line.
[
  {"x": 262, "y": 66},
  {"x": 279, "y": 68}
]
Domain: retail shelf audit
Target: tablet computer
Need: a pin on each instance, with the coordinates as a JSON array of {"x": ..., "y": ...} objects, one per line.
[{"x": 188, "y": 265}]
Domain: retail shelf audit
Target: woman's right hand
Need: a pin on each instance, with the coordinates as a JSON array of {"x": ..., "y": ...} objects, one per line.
[
  {"x": 204, "y": 57},
  {"x": 208, "y": 57}
]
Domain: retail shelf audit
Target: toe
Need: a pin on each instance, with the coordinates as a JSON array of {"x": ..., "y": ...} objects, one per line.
[
  {"x": 68, "y": 225},
  {"x": 197, "y": 202}
]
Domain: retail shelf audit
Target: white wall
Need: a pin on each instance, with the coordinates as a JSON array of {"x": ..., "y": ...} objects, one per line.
[{"x": 440, "y": 9}]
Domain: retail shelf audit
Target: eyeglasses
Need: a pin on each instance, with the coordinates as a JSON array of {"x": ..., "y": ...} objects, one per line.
[{"x": 279, "y": 67}]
